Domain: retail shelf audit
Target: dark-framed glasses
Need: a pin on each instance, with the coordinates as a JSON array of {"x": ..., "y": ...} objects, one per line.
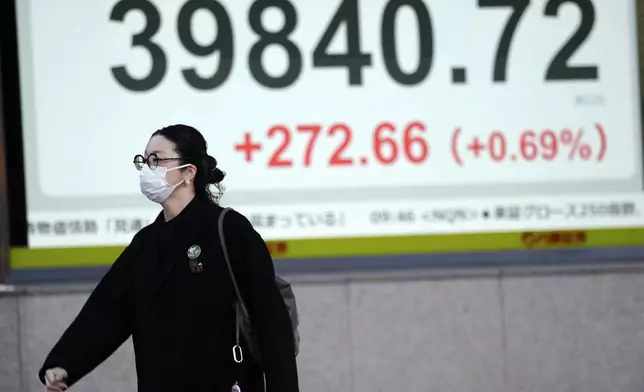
[{"x": 152, "y": 161}]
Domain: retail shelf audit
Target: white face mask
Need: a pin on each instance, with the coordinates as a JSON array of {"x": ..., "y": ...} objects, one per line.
[{"x": 154, "y": 184}]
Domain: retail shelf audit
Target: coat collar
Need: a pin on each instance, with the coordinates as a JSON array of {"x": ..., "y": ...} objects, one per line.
[
  {"x": 175, "y": 236},
  {"x": 169, "y": 242},
  {"x": 192, "y": 209}
]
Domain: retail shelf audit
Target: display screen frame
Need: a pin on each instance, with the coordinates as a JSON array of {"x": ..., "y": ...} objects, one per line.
[{"x": 28, "y": 265}]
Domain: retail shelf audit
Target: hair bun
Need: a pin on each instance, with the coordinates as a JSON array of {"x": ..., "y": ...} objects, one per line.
[
  {"x": 211, "y": 163},
  {"x": 215, "y": 175}
]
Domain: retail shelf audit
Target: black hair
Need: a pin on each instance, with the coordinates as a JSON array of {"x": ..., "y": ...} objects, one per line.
[{"x": 192, "y": 148}]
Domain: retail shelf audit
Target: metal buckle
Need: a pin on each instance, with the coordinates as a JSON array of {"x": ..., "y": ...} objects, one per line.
[{"x": 238, "y": 355}]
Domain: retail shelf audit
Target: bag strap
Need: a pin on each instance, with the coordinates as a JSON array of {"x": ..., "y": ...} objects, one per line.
[
  {"x": 238, "y": 355},
  {"x": 224, "y": 248}
]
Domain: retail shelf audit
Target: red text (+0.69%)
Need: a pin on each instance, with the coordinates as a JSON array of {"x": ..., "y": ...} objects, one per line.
[{"x": 394, "y": 143}]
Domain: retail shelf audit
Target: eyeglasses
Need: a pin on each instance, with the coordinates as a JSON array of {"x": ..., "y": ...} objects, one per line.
[{"x": 152, "y": 161}]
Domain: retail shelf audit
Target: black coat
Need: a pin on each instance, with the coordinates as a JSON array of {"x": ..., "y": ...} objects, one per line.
[{"x": 182, "y": 322}]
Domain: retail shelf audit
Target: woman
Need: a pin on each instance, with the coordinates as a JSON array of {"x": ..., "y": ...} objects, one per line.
[{"x": 170, "y": 289}]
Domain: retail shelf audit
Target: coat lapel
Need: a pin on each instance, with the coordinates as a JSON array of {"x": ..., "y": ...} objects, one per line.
[
  {"x": 184, "y": 236},
  {"x": 167, "y": 246}
]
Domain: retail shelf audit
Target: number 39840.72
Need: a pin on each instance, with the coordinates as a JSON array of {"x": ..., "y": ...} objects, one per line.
[{"x": 354, "y": 60}]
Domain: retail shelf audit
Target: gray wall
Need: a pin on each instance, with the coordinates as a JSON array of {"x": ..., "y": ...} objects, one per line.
[{"x": 550, "y": 332}]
